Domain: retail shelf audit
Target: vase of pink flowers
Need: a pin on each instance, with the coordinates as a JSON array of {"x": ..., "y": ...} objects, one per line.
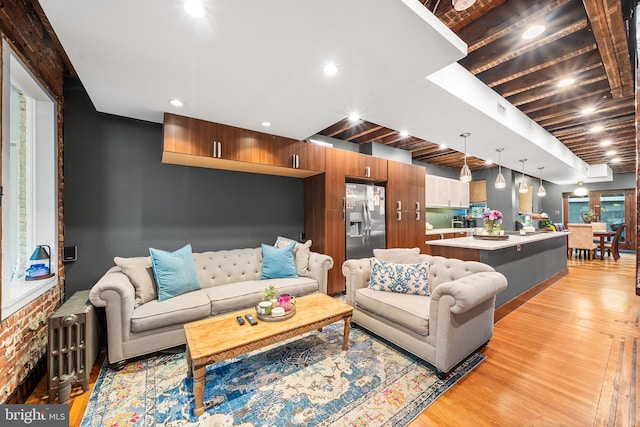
[{"x": 492, "y": 221}]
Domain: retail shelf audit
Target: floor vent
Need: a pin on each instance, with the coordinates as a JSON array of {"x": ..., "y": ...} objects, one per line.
[{"x": 73, "y": 346}]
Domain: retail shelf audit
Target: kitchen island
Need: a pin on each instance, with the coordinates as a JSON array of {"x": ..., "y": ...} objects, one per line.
[{"x": 529, "y": 262}]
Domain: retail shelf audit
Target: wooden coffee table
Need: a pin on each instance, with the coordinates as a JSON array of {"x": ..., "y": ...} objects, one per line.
[{"x": 221, "y": 337}]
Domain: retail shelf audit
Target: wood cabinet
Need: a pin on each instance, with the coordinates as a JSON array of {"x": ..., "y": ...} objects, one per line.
[
  {"x": 324, "y": 205},
  {"x": 405, "y": 205},
  {"x": 363, "y": 166},
  {"x": 290, "y": 153},
  {"x": 441, "y": 236},
  {"x": 446, "y": 193},
  {"x": 194, "y": 142}
]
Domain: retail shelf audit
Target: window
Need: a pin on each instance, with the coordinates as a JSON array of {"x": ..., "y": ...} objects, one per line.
[{"x": 29, "y": 180}]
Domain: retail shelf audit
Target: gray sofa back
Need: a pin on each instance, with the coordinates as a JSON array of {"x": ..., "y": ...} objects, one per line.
[
  {"x": 228, "y": 266},
  {"x": 448, "y": 269}
]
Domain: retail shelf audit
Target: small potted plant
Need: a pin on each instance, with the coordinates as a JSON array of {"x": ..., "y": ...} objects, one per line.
[
  {"x": 588, "y": 217},
  {"x": 269, "y": 293}
]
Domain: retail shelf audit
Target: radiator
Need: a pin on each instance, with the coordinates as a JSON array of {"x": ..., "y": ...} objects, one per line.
[{"x": 73, "y": 346}]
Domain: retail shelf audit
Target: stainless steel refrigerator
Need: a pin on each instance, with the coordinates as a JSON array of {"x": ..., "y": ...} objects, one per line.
[{"x": 364, "y": 219}]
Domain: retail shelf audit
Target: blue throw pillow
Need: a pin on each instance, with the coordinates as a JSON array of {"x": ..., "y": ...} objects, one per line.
[
  {"x": 175, "y": 272},
  {"x": 278, "y": 263},
  {"x": 401, "y": 278}
]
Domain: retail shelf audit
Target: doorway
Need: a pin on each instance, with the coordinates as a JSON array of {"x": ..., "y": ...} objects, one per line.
[{"x": 613, "y": 207}]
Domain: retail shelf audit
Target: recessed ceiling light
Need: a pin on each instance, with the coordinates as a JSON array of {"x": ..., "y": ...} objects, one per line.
[
  {"x": 330, "y": 69},
  {"x": 266, "y": 124},
  {"x": 605, "y": 143},
  {"x": 460, "y": 5},
  {"x": 596, "y": 128},
  {"x": 588, "y": 110},
  {"x": 610, "y": 153},
  {"x": 404, "y": 133},
  {"x": 354, "y": 117},
  {"x": 566, "y": 82},
  {"x": 488, "y": 162},
  {"x": 533, "y": 31},
  {"x": 443, "y": 146},
  {"x": 194, "y": 8},
  {"x": 616, "y": 160},
  {"x": 176, "y": 102}
]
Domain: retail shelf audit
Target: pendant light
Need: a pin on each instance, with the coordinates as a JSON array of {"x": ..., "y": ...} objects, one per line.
[
  {"x": 522, "y": 186},
  {"x": 465, "y": 173},
  {"x": 500, "y": 182},
  {"x": 541, "y": 191},
  {"x": 580, "y": 191}
]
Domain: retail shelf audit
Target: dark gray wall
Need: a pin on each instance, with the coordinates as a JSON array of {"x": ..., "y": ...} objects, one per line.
[{"x": 120, "y": 199}]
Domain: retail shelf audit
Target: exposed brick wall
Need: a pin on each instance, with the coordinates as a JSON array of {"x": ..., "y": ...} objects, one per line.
[
  {"x": 23, "y": 341},
  {"x": 23, "y": 336}
]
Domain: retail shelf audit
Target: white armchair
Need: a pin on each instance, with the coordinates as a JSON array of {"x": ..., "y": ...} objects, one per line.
[{"x": 443, "y": 328}]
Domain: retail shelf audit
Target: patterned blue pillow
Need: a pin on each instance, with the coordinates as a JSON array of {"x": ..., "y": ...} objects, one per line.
[{"x": 401, "y": 278}]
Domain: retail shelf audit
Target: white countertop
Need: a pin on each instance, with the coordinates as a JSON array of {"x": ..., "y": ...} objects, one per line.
[{"x": 490, "y": 245}]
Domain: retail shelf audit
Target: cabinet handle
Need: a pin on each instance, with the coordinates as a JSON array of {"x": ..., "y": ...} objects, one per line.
[
  {"x": 297, "y": 161},
  {"x": 399, "y": 215},
  {"x": 293, "y": 161},
  {"x": 417, "y": 215},
  {"x": 219, "y": 150},
  {"x": 215, "y": 149},
  {"x": 367, "y": 172},
  {"x": 417, "y": 206},
  {"x": 398, "y": 205}
]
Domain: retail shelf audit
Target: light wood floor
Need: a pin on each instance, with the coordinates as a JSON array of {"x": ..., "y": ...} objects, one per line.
[{"x": 568, "y": 357}]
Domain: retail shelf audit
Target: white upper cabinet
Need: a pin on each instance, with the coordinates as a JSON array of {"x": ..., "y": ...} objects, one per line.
[{"x": 446, "y": 193}]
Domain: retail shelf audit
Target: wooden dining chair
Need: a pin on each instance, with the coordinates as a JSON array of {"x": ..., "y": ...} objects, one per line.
[{"x": 612, "y": 247}]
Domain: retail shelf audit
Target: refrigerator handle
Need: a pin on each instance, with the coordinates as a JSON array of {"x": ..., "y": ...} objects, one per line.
[{"x": 344, "y": 209}]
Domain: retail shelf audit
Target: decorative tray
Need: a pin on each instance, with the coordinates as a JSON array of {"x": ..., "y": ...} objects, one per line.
[
  {"x": 505, "y": 237},
  {"x": 287, "y": 315}
]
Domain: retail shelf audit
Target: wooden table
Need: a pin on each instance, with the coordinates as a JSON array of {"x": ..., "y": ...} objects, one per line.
[
  {"x": 603, "y": 235},
  {"x": 221, "y": 337}
]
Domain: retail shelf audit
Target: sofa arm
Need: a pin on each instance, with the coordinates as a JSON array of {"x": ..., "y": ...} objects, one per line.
[
  {"x": 356, "y": 273},
  {"x": 319, "y": 266},
  {"x": 115, "y": 292},
  {"x": 469, "y": 291}
]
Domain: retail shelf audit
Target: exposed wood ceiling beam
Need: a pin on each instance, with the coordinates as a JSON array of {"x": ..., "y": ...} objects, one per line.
[{"x": 608, "y": 29}]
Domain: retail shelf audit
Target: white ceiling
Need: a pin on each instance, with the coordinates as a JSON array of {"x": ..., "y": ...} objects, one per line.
[{"x": 250, "y": 61}]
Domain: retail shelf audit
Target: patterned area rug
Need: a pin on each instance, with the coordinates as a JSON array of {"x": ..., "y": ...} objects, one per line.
[{"x": 305, "y": 381}]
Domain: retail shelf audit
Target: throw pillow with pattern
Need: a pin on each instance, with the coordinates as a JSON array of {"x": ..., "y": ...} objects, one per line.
[{"x": 400, "y": 278}]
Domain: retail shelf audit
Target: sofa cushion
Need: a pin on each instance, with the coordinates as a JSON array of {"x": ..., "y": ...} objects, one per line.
[
  {"x": 175, "y": 272},
  {"x": 278, "y": 263},
  {"x": 180, "y": 309},
  {"x": 444, "y": 270},
  {"x": 236, "y": 296},
  {"x": 398, "y": 255},
  {"x": 301, "y": 252},
  {"x": 410, "y": 311},
  {"x": 228, "y": 266},
  {"x": 140, "y": 274},
  {"x": 401, "y": 278}
]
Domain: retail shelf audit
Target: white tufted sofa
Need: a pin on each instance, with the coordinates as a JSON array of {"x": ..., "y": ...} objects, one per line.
[
  {"x": 443, "y": 328},
  {"x": 229, "y": 280}
]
